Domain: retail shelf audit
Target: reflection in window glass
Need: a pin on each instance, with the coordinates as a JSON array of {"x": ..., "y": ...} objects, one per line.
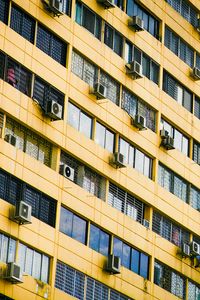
[
  {"x": 86, "y": 125},
  {"x": 99, "y": 240},
  {"x": 135, "y": 257},
  {"x": 104, "y": 137}
]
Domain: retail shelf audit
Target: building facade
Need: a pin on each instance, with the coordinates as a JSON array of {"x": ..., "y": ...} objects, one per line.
[{"x": 99, "y": 149}]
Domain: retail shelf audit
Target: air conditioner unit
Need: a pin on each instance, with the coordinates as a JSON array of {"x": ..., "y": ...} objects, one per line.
[
  {"x": 54, "y": 110},
  {"x": 11, "y": 139},
  {"x": 168, "y": 143},
  {"x": 194, "y": 248},
  {"x": 185, "y": 250},
  {"x": 196, "y": 73},
  {"x": 113, "y": 264},
  {"x": 136, "y": 23},
  {"x": 134, "y": 69},
  {"x": 107, "y": 3},
  {"x": 67, "y": 172},
  {"x": 164, "y": 133},
  {"x": 117, "y": 160},
  {"x": 13, "y": 273},
  {"x": 22, "y": 214},
  {"x": 57, "y": 7},
  {"x": 145, "y": 223},
  {"x": 139, "y": 121},
  {"x": 99, "y": 90}
]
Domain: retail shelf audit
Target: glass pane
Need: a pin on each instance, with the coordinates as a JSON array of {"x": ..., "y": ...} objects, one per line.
[
  {"x": 139, "y": 161},
  {"x": 104, "y": 243},
  {"x": 66, "y": 221},
  {"x": 45, "y": 268},
  {"x": 124, "y": 149},
  {"x": 135, "y": 258},
  {"x": 22, "y": 256},
  {"x": 29, "y": 261},
  {"x": 117, "y": 247},
  {"x": 109, "y": 141},
  {"x": 32, "y": 146},
  {"x": 73, "y": 115},
  {"x": 126, "y": 256},
  {"x": 88, "y": 19},
  {"x": 144, "y": 261},
  {"x": 11, "y": 250},
  {"x": 37, "y": 265},
  {"x": 4, "y": 248},
  {"x": 86, "y": 125},
  {"x": 94, "y": 237},
  {"x": 79, "y": 229},
  {"x": 100, "y": 134}
]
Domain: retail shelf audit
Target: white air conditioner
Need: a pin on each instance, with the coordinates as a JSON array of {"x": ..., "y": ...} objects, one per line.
[
  {"x": 196, "y": 73},
  {"x": 107, "y": 3},
  {"x": 145, "y": 223},
  {"x": 54, "y": 110},
  {"x": 67, "y": 172},
  {"x": 164, "y": 133},
  {"x": 139, "y": 121},
  {"x": 117, "y": 160},
  {"x": 136, "y": 23},
  {"x": 99, "y": 90},
  {"x": 11, "y": 139},
  {"x": 22, "y": 214},
  {"x": 168, "y": 143},
  {"x": 134, "y": 69},
  {"x": 13, "y": 273},
  {"x": 185, "y": 250},
  {"x": 57, "y": 7},
  {"x": 194, "y": 248},
  {"x": 113, "y": 264}
]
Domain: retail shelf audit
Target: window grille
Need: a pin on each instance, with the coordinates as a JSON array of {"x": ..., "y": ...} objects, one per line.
[
  {"x": 83, "y": 287},
  {"x": 112, "y": 87},
  {"x": 13, "y": 190},
  {"x": 4, "y": 7},
  {"x": 193, "y": 291},
  {"x": 169, "y": 230},
  {"x": 126, "y": 203},
  {"x": 85, "y": 177},
  {"x": 195, "y": 197},
  {"x": 22, "y": 23},
  {"x": 51, "y": 45}
]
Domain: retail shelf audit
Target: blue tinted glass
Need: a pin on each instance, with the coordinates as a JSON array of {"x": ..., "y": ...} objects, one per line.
[
  {"x": 135, "y": 257},
  {"x": 104, "y": 243},
  {"x": 78, "y": 12},
  {"x": 94, "y": 238},
  {"x": 66, "y": 221},
  {"x": 117, "y": 247},
  {"x": 126, "y": 256},
  {"x": 79, "y": 229},
  {"x": 144, "y": 262}
]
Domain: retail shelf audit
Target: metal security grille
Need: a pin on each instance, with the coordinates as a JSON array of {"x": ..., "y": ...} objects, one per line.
[
  {"x": 13, "y": 190},
  {"x": 169, "y": 230},
  {"x": 84, "y": 176},
  {"x": 83, "y": 287},
  {"x": 126, "y": 203},
  {"x": 22, "y": 24},
  {"x": 29, "y": 142},
  {"x": 112, "y": 87},
  {"x": 4, "y": 7},
  {"x": 195, "y": 198},
  {"x": 193, "y": 291},
  {"x": 51, "y": 45}
]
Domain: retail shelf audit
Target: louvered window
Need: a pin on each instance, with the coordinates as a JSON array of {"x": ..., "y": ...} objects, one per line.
[
  {"x": 169, "y": 230},
  {"x": 179, "y": 47},
  {"x": 112, "y": 87},
  {"x": 174, "y": 89},
  {"x": 4, "y": 8},
  {"x": 51, "y": 45},
  {"x": 125, "y": 203},
  {"x": 22, "y": 23},
  {"x": 133, "y": 105},
  {"x": 84, "y": 176}
]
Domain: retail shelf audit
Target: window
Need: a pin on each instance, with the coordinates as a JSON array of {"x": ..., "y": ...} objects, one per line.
[
  {"x": 151, "y": 24},
  {"x": 169, "y": 230},
  {"x": 197, "y": 107},
  {"x": 51, "y": 45},
  {"x": 113, "y": 39},
  {"x": 29, "y": 142},
  {"x": 67, "y": 7},
  {"x": 22, "y": 24},
  {"x": 184, "y": 8},
  {"x": 104, "y": 137},
  {"x": 193, "y": 291},
  {"x": 34, "y": 263},
  {"x": 7, "y": 248},
  {"x": 173, "y": 183},
  {"x": 133, "y": 105},
  {"x": 4, "y": 7},
  {"x": 181, "y": 142},
  {"x": 196, "y": 152},
  {"x": 79, "y": 120},
  {"x": 85, "y": 177},
  {"x": 150, "y": 68},
  {"x": 179, "y": 47},
  {"x": 88, "y": 19},
  {"x": 78, "y": 284},
  {"x": 119, "y": 3},
  {"x": 169, "y": 280},
  {"x": 73, "y": 226},
  {"x": 83, "y": 69},
  {"x": 136, "y": 158},
  {"x": 195, "y": 198},
  {"x": 99, "y": 240},
  {"x": 174, "y": 89},
  {"x": 12, "y": 190},
  {"x": 125, "y": 203},
  {"x": 131, "y": 258},
  {"x": 113, "y": 87}
]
